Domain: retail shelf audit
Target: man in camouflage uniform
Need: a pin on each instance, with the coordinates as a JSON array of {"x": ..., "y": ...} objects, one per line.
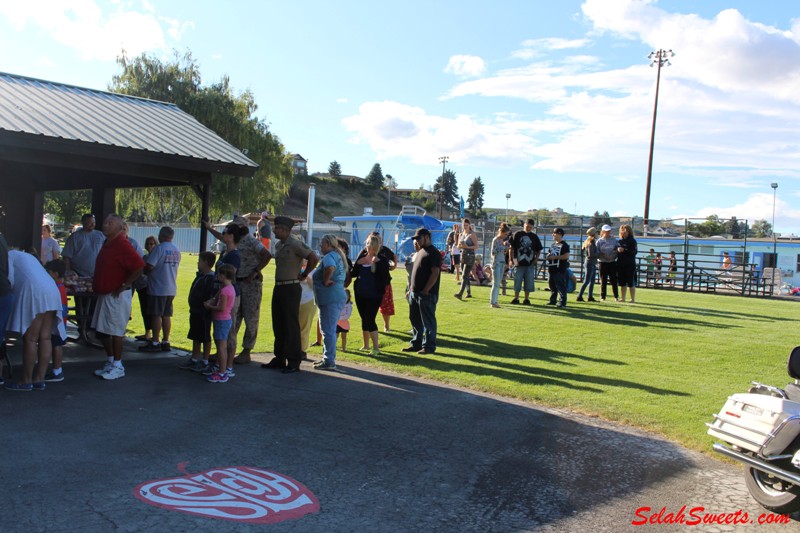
[{"x": 254, "y": 257}]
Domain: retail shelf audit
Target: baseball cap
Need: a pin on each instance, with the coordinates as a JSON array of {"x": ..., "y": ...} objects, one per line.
[
  {"x": 606, "y": 227},
  {"x": 421, "y": 232}
]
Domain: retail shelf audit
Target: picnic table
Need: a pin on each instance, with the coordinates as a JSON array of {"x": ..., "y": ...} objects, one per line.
[{"x": 84, "y": 300}]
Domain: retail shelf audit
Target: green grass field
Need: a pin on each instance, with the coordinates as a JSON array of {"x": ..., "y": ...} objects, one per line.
[{"x": 664, "y": 364}]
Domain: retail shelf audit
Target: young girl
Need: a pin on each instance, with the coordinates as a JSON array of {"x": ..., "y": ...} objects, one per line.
[
  {"x": 220, "y": 307},
  {"x": 343, "y": 325},
  {"x": 500, "y": 245}
]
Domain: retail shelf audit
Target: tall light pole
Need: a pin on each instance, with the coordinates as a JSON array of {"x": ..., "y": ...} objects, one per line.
[
  {"x": 443, "y": 160},
  {"x": 508, "y": 197},
  {"x": 660, "y": 59},
  {"x": 774, "y": 241}
]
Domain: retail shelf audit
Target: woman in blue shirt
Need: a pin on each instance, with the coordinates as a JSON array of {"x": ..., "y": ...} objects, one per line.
[{"x": 329, "y": 279}]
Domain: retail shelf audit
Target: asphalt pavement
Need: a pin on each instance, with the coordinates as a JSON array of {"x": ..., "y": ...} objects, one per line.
[{"x": 357, "y": 450}]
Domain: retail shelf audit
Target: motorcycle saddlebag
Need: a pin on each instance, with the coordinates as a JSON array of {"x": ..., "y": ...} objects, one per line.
[{"x": 756, "y": 422}]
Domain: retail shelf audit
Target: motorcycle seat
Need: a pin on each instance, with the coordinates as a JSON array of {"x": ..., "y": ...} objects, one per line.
[{"x": 793, "y": 392}]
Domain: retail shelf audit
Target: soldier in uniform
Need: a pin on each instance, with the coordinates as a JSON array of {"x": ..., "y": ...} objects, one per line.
[
  {"x": 290, "y": 252},
  {"x": 254, "y": 257}
]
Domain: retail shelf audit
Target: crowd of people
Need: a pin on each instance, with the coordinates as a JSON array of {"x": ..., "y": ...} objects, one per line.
[{"x": 227, "y": 290}]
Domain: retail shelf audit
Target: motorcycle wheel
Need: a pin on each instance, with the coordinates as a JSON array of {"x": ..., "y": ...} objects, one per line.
[{"x": 772, "y": 493}]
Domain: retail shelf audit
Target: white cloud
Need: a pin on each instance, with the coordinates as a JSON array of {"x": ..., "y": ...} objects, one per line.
[
  {"x": 757, "y": 206},
  {"x": 341, "y": 100},
  {"x": 93, "y": 33},
  {"x": 393, "y": 129},
  {"x": 465, "y": 66}
]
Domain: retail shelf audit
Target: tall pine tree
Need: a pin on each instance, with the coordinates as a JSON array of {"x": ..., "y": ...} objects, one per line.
[
  {"x": 447, "y": 187},
  {"x": 475, "y": 196},
  {"x": 375, "y": 176}
]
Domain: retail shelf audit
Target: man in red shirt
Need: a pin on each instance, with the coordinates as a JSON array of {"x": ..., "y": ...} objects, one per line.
[{"x": 117, "y": 267}]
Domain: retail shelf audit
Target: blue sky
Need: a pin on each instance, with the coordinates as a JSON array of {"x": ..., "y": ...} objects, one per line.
[{"x": 549, "y": 101}]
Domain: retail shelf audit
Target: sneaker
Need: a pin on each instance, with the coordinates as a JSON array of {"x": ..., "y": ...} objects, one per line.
[
  {"x": 375, "y": 352},
  {"x": 457, "y": 295},
  {"x": 579, "y": 299},
  {"x": 200, "y": 367},
  {"x": 218, "y": 377},
  {"x": 40, "y": 385},
  {"x": 231, "y": 373},
  {"x": 411, "y": 349},
  {"x": 469, "y": 295},
  {"x": 591, "y": 299},
  {"x": 165, "y": 347},
  {"x": 325, "y": 365},
  {"x": 150, "y": 347},
  {"x": 551, "y": 303},
  {"x": 515, "y": 301},
  {"x": 115, "y": 372},
  {"x": 19, "y": 387},
  {"x": 495, "y": 306},
  {"x": 191, "y": 364},
  {"x": 210, "y": 370},
  {"x": 52, "y": 378},
  {"x": 106, "y": 367},
  {"x": 526, "y": 302}
]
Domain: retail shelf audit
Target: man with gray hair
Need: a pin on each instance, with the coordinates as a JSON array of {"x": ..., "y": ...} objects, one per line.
[{"x": 162, "y": 274}]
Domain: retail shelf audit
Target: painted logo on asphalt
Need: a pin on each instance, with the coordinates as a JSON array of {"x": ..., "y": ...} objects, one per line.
[{"x": 239, "y": 493}]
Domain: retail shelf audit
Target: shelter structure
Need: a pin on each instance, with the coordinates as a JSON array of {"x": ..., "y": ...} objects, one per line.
[{"x": 56, "y": 137}]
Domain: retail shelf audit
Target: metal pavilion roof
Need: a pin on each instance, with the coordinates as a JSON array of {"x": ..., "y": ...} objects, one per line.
[{"x": 52, "y": 110}]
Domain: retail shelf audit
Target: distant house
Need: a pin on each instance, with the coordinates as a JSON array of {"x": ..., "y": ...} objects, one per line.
[{"x": 299, "y": 165}]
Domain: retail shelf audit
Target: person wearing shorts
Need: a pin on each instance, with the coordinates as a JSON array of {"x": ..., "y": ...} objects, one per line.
[
  {"x": 162, "y": 274},
  {"x": 220, "y": 307},
  {"x": 117, "y": 267}
]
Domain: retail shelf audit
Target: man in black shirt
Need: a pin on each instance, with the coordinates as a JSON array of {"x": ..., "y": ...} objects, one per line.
[
  {"x": 557, "y": 263},
  {"x": 424, "y": 294},
  {"x": 525, "y": 250}
]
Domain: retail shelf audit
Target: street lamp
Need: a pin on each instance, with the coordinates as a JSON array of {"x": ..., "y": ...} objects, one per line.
[
  {"x": 661, "y": 59},
  {"x": 443, "y": 160},
  {"x": 508, "y": 197}
]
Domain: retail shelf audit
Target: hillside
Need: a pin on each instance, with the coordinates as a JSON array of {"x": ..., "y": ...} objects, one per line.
[{"x": 346, "y": 195}]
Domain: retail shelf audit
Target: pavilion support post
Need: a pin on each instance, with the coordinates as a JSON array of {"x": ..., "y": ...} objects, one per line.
[{"x": 103, "y": 203}]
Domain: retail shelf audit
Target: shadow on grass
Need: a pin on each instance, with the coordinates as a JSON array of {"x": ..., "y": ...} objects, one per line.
[
  {"x": 705, "y": 311},
  {"x": 617, "y": 316},
  {"x": 444, "y": 361}
]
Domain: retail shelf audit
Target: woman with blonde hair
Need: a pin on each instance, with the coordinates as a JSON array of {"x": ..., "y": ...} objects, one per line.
[
  {"x": 589, "y": 247},
  {"x": 626, "y": 262},
  {"x": 468, "y": 243},
  {"x": 499, "y": 253},
  {"x": 329, "y": 278},
  {"x": 371, "y": 275}
]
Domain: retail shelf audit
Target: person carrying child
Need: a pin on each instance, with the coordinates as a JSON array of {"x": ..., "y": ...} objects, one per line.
[
  {"x": 220, "y": 307},
  {"x": 343, "y": 325},
  {"x": 201, "y": 291}
]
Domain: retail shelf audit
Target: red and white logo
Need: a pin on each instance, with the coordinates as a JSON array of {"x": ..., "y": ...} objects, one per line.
[{"x": 239, "y": 493}]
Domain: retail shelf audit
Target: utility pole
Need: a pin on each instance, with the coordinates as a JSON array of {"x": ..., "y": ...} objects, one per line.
[
  {"x": 660, "y": 59},
  {"x": 443, "y": 160}
]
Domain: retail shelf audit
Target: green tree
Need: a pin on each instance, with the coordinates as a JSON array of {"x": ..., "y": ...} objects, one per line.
[
  {"x": 761, "y": 229},
  {"x": 335, "y": 169},
  {"x": 606, "y": 218},
  {"x": 475, "y": 196},
  {"x": 446, "y": 187},
  {"x": 68, "y": 206},
  {"x": 596, "y": 220},
  {"x": 231, "y": 116},
  {"x": 375, "y": 176},
  {"x": 390, "y": 182},
  {"x": 732, "y": 227}
]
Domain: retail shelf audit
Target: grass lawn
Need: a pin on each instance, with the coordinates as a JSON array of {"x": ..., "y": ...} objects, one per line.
[{"x": 664, "y": 364}]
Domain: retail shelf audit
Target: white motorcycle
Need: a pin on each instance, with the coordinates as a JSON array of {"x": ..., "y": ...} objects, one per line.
[{"x": 762, "y": 430}]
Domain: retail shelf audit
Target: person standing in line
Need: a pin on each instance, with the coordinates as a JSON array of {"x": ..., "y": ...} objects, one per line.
[
  {"x": 254, "y": 257},
  {"x": 557, "y": 264},
  {"x": 220, "y": 307},
  {"x": 118, "y": 266},
  {"x": 329, "y": 278},
  {"x": 672, "y": 273},
  {"x": 370, "y": 276},
  {"x": 141, "y": 289},
  {"x": 659, "y": 261},
  {"x": 161, "y": 268},
  {"x": 455, "y": 253},
  {"x": 500, "y": 245},
  {"x": 290, "y": 252},
  {"x": 232, "y": 235},
  {"x": 468, "y": 242},
  {"x": 307, "y": 312},
  {"x": 50, "y": 249},
  {"x": 387, "y": 302},
  {"x": 607, "y": 257},
  {"x": 81, "y": 249},
  {"x": 200, "y": 321},
  {"x": 423, "y": 294},
  {"x": 626, "y": 261},
  {"x": 525, "y": 250},
  {"x": 264, "y": 229},
  {"x": 590, "y": 263}
]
